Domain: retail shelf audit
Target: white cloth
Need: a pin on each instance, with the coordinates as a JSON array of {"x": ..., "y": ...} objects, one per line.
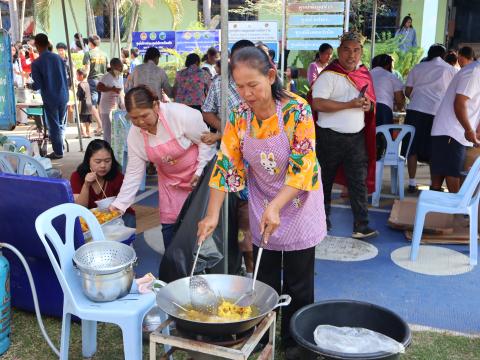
[
  {"x": 429, "y": 81},
  {"x": 210, "y": 68},
  {"x": 466, "y": 82},
  {"x": 109, "y": 100},
  {"x": 386, "y": 85},
  {"x": 336, "y": 87},
  {"x": 186, "y": 124}
]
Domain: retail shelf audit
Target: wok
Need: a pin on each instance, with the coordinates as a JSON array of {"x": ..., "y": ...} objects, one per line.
[{"x": 230, "y": 287}]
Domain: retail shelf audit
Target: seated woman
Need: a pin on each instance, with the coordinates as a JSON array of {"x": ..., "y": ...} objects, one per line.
[{"x": 98, "y": 176}]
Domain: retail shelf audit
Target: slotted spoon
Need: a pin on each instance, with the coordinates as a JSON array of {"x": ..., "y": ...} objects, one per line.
[{"x": 202, "y": 297}]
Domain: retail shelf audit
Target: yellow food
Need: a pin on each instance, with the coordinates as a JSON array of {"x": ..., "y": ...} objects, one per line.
[
  {"x": 227, "y": 311},
  {"x": 102, "y": 217}
]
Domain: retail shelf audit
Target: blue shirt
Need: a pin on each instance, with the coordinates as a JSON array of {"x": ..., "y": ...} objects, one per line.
[{"x": 50, "y": 77}]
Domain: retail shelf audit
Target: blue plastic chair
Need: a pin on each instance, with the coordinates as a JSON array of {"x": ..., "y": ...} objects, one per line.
[
  {"x": 22, "y": 161},
  {"x": 19, "y": 141},
  {"x": 392, "y": 158},
  {"x": 463, "y": 202},
  {"x": 123, "y": 312}
]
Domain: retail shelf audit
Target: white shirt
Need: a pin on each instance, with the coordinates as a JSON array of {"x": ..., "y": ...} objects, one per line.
[
  {"x": 109, "y": 100},
  {"x": 210, "y": 68},
  {"x": 466, "y": 82},
  {"x": 386, "y": 85},
  {"x": 429, "y": 81},
  {"x": 336, "y": 87},
  {"x": 186, "y": 124}
]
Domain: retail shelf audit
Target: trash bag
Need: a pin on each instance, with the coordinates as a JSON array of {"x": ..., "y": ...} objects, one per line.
[
  {"x": 349, "y": 340},
  {"x": 178, "y": 258}
]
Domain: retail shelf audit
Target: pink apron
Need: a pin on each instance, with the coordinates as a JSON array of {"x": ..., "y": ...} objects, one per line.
[
  {"x": 302, "y": 221},
  {"x": 175, "y": 167}
]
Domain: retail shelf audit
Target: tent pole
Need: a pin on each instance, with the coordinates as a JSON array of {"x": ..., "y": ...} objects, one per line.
[{"x": 374, "y": 30}]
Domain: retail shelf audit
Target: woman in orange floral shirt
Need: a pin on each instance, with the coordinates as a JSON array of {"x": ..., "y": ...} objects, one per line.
[{"x": 273, "y": 132}]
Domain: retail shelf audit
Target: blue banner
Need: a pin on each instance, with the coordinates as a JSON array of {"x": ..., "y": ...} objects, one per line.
[
  {"x": 196, "y": 40},
  {"x": 308, "y": 20},
  {"x": 315, "y": 33},
  {"x": 8, "y": 117},
  {"x": 310, "y": 44},
  {"x": 157, "y": 39}
]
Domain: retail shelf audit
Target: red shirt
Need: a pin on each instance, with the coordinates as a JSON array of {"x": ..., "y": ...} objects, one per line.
[{"x": 111, "y": 188}]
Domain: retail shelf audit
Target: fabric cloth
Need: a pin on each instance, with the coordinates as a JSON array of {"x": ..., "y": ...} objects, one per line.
[
  {"x": 302, "y": 220},
  {"x": 111, "y": 188},
  {"x": 298, "y": 280},
  {"x": 86, "y": 119},
  {"x": 421, "y": 144},
  {"x": 314, "y": 69},
  {"x": 26, "y": 62},
  {"x": 386, "y": 85},
  {"x": 56, "y": 119},
  {"x": 359, "y": 77},
  {"x": 84, "y": 98},
  {"x": 168, "y": 233},
  {"x": 302, "y": 173},
  {"x": 212, "y": 102},
  {"x": 191, "y": 85},
  {"x": 110, "y": 99},
  {"x": 97, "y": 60},
  {"x": 335, "y": 149},
  {"x": 134, "y": 63},
  {"x": 49, "y": 76},
  {"x": 186, "y": 125},
  {"x": 210, "y": 68},
  {"x": 152, "y": 76},
  {"x": 407, "y": 38},
  {"x": 17, "y": 73},
  {"x": 384, "y": 114},
  {"x": 448, "y": 156},
  {"x": 429, "y": 80},
  {"x": 466, "y": 82}
]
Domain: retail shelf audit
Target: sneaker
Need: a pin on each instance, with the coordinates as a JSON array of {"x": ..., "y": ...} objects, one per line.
[
  {"x": 329, "y": 224},
  {"x": 53, "y": 156},
  {"x": 363, "y": 232},
  {"x": 412, "y": 189}
]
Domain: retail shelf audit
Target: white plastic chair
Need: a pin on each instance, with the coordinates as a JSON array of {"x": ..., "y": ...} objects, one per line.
[
  {"x": 21, "y": 162},
  {"x": 19, "y": 141},
  {"x": 127, "y": 312},
  {"x": 392, "y": 158},
  {"x": 464, "y": 202}
]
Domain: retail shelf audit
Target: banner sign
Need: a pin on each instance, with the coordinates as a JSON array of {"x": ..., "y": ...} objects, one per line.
[
  {"x": 157, "y": 39},
  {"x": 314, "y": 33},
  {"x": 271, "y": 45},
  {"x": 8, "y": 118},
  {"x": 265, "y": 31},
  {"x": 309, "y": 20},
  {"x": 310, "y": 44},
  {"x": 321, "y": 7}
]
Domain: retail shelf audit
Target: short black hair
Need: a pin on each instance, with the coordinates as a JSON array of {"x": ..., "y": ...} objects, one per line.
[
  {"x": 324, "y": 47},
  {"x": 240, "y": 44},
  {"x": 61, "y": 45},
  {"x": 41, "y": 40},
  {"x": 212, "y": 51},
  {"x": 436, "y": 50},
  {"x": 95, "y": 40},
  {"x": 272, "y": 53},
  {"x": 152, "y": 53},
  {"x": 382, "y": 60},
  {"x": 94, "y": 146},
  {"x": 115, "y": 61},
  {"x": 467, "y": 52},
  {"x": 135, "y": 52},
  {"x": 293, "y": 72},
  {"x": 451, "y": 58},
  {"x": 192, "y": 59}
]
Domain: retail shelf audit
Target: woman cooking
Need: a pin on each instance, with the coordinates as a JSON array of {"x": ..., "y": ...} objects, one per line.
[
  {"x": 272, "y": 131},
  {"x": 168, "y": 135}
]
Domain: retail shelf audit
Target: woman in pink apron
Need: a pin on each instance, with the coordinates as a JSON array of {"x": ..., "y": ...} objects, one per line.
[
  {"x": 272, "y": 131},
  {"x": 169, "y": 136}
]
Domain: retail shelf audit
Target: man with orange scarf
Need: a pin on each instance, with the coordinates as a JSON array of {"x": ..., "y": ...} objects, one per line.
[{"x": 344, "y": 97}]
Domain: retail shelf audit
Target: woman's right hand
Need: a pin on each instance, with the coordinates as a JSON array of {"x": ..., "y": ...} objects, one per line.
[
  {"x": 112, "y": 208},
  {"x": 90, "y": 177},
  {"x": 206, "y": 227}
]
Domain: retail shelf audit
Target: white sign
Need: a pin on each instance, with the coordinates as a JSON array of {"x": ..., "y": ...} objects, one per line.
[
  {"x": 266, "y": 31},
  {"x": 325, "y": 19},
  {"x": 310, "y": 44},
  {"x": 314, "y": 33}
]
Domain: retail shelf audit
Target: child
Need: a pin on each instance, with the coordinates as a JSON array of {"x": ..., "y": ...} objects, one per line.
[
  {"x": 292, "y": 76},
  {"x": 111, "y": 87},
  {"x": 85, "y": 99}
]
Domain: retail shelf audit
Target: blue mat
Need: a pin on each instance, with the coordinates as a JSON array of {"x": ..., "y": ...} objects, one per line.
[
  {"x": 446, "y": 302},
  {"x": 148, "y": 260}
]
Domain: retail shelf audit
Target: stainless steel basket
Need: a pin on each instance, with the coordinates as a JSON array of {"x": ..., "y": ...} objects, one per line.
[{"x": 104, "y": 257}]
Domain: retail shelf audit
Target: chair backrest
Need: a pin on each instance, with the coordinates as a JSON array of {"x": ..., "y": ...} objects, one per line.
[
  {"x": 392, "y": 153},
  {"x": 17, "y": 163},
  {"x": 61, "y": 259},
  {"x": 19, "y": 141},
  {"x": 470, "y": 190}
]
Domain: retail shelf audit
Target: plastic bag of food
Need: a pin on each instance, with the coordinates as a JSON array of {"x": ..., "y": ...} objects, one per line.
[{"x": 351, "y": 340}]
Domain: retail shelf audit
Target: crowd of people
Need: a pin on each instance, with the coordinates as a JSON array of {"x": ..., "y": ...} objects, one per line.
[{"x": 280, "y": 153}]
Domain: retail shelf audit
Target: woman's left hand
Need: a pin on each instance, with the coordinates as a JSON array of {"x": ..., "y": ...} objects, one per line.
[
  {"x": 270, "y": 222},
  {"x": 194, "y": 181}
]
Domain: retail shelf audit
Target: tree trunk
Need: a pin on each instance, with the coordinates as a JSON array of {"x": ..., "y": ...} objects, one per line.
[
  {"x": 207, "y": 12},
  {"x": 117, "y": 25},
  {"x": 133, "y": 24}
]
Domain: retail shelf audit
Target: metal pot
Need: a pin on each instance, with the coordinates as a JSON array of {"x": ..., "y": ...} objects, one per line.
[
  {"x": 229, "y": 287},
  {"x": 107, "y": 287}
]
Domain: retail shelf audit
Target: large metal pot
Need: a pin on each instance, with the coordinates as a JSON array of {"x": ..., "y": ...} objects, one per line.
[
  {"x": 109, "y": 287},
  {"x": 229, "y": 287}
]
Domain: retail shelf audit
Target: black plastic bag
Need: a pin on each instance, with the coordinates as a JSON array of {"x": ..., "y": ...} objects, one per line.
[{"x": 178, "y": 259}]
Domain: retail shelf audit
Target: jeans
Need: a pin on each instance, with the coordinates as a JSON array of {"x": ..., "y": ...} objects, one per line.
[
  {"x": 168, "y": 234},
  {"x": 335, "y": 149},
  {"x": 56, "y": 117}
]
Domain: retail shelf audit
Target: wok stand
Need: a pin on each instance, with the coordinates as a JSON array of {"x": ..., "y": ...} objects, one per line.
[{"x": 247, "y": 345}]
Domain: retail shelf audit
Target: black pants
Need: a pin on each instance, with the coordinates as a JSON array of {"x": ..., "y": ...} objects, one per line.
[
  {"x": 335, "y": 149},
  {"x": 298, "y": 274}
]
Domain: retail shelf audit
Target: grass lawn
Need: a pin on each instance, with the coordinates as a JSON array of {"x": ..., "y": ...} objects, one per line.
[{"x": 28, "y": 343}]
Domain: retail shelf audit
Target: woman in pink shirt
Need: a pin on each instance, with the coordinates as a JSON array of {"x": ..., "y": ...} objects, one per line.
[
  {"x": 169, "y": 136},
  {"x": 322, "y": 58}
]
